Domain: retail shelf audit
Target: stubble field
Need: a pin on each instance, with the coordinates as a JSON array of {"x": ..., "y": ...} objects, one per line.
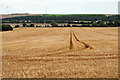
[{"x": 60, "y": 53}]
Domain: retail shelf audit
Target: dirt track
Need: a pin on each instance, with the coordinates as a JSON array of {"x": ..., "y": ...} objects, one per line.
[{"x": 45, "y": 52}]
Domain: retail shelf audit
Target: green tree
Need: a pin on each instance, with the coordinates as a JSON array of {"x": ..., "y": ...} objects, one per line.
[
  {"x": 24, "y": 24},
  {"x": 32, "y": 25},
  {"x": 17, "y": 26},
  {"x": 102, "y": 24},
  {"x": 54, "y": 24},
  {"x": 4, "y": 27},
  {"x": 117, "y": 23},
  {"x": 94, "y": 23}
]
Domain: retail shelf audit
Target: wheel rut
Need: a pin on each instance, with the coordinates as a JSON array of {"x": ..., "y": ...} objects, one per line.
[{"x": 72, "y": 35}]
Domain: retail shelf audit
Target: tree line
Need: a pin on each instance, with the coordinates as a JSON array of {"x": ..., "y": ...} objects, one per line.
[
  {"x": 60, "y": 19},
  {"x": 93, "y": 24}
]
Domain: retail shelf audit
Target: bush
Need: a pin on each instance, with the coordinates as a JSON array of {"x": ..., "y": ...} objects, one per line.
[
  {"x": 76, "y": 26},
  {"x": 24, "y": 24},
  {"x": 17, "y": 26},
  {"x": 65, "y": 25},
  {"x": 27, "y": 25},
  {"x": 54, "y": 24},
  {"x": 85, "y": 25},
  {"x": 4, "y": 27},
  {"x": 102, "y": 24},
  {"x": 47, "y": 26},
  {"x": 32, "y": 25},
  {"x": 39, "y": 26},
  {"x": 117, "y": 23},
  {"x": 61, "y": 26},
  {"x": 36, "y": 25},
  {"x": 99, "y": 24},
  {"x": 68, "y": 25}
]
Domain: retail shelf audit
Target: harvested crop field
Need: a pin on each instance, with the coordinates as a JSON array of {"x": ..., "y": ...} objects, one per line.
[{"x": 60, "y": 53}]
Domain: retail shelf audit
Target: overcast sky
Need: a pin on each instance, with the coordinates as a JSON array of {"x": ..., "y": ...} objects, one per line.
[{"x": 59, "y": 6}]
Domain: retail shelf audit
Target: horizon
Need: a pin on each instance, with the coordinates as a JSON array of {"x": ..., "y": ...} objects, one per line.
[{"x": 56, "y": 14}]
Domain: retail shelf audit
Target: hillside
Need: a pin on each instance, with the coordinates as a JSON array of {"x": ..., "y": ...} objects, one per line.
[{"x": 18, "y": 15}]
